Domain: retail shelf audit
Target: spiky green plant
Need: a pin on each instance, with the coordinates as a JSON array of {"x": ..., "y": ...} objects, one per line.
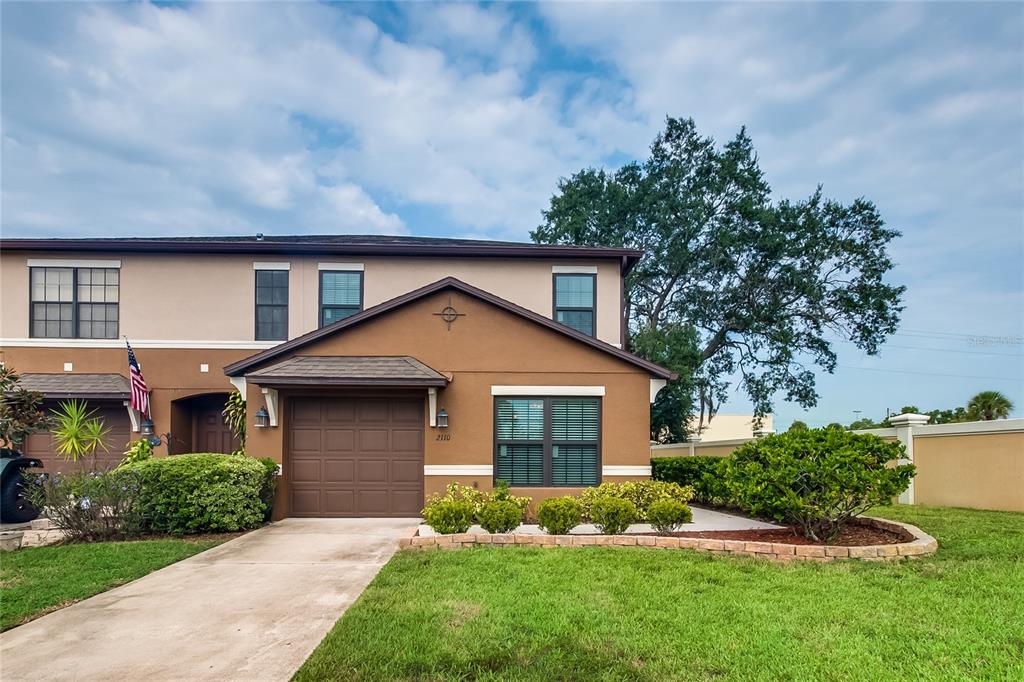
[{"x": 78, "y": 432}]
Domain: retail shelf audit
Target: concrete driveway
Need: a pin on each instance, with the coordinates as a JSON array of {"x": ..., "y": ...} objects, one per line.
[{"x": 251, "y": 609}]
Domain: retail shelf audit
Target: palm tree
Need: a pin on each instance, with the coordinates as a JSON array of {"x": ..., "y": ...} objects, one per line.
[{"x": 989, "y": 405}]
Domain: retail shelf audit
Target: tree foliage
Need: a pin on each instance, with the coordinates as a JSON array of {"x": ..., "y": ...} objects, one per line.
[
  {"x": 731, "y": 282},
  {"x": 989, "y": 405},
  {"x": 21, "y": 412}
]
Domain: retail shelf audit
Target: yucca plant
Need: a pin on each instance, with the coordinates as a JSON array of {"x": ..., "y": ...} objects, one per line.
[{"x": 77, "y": 432}]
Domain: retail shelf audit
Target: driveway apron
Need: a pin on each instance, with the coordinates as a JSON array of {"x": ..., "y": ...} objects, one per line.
[{"x": 253, "y": 608}]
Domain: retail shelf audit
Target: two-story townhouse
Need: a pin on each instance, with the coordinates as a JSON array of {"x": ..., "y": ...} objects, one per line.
[{"x": 376, "y": 369}]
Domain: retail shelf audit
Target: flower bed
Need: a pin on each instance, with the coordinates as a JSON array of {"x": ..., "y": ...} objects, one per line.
[{"x": 916, "y": 543}]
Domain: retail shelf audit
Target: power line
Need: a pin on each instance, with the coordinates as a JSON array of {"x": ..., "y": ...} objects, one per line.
[
  {"x": 930, "y": 374},
  {"x": 947, "y": 350}
]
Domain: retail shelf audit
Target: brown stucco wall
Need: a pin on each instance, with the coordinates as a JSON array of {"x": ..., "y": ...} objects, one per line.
[
  {"x": 981, "y": 471},
  {"x": 486, "y": 347},
  {"x": 170, "y": 373}
]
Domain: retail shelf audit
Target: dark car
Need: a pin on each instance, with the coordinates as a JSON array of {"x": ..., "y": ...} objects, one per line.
[{"x": 14, "y": 506}]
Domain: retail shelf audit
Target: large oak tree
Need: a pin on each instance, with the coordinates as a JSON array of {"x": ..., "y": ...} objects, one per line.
[{"x": 732, "y": 282}]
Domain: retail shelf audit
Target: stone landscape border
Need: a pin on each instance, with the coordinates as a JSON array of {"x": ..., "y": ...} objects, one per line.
[{"x": 916, "y": 543}]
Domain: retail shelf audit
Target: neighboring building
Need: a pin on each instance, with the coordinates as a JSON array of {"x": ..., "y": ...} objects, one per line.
[
  {"x": 733, "y": 426},
  {"x": 357, "y": 349}
]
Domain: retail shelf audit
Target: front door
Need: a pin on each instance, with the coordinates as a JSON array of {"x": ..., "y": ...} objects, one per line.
[{"x": 356, "y": 456}]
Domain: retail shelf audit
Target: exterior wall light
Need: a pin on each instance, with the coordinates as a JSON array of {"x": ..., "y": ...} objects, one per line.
[
  {"x": 262, "y": 418},
  {"x": 146, "y": 431},
  {"x": 442, "y": 419}
]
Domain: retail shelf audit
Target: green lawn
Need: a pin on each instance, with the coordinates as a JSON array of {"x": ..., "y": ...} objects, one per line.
[
  {"x": 647, "y": 614},
  {"x": 37, "y": 580}
]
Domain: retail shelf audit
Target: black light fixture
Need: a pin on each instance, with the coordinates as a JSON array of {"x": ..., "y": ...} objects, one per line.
[
  {"x": 147, "y": 432},
  {"x": 442, "y": 419},
  {"x": 262, "y": 418}
]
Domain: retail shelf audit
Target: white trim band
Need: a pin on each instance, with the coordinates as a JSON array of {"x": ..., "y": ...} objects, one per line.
[
  {"x": 263, "y": 265},
  {"x": 548, "y": 390},
  {"x": 616, "y": 470},
  {"x": 574, "y": 269},
  {"x": 136, "y": 343},
  {"x": 341, "y": 267},
  {"x": 458, "y": 470},
  {"x": 67, "y": 263}
]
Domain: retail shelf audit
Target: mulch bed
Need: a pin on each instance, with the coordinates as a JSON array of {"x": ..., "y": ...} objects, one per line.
[{"x": 853, "y": 535}]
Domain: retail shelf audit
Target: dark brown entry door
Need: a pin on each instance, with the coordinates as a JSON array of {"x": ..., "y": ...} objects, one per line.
[
  {"x": 115, "y": 417},
  {"x": 356, "y": 456},
  {"x": 209, "y": 432}
]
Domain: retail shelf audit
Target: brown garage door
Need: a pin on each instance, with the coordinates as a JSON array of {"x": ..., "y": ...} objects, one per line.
[
  {"x": 356, "y": 456},
  {"x": 115, "y": 418}
]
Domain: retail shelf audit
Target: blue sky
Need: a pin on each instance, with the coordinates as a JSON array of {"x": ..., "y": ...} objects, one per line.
[{"x": 458, "y": 120}]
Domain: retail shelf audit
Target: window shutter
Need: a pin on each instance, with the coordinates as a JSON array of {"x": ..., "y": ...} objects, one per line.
[
  {"x": 340, "y": 288},
  {"x": 574, "y": 419}
]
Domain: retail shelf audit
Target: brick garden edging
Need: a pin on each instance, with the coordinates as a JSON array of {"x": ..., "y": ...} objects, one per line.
[{"x": 917, "y": 543}]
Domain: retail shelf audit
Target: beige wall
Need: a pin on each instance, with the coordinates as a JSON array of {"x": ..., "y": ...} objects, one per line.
[
  {"x": 211, "y": 297},
  {"x": 982, "y": 471},
  {"x": 732, "y": 426},
  {"x": 487, "y": 347}
]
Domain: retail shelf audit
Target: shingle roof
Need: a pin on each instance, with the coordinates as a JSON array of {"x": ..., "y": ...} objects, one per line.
[
  {"x": 348, "y": 370},
  {"x": 70, "y": 385}
]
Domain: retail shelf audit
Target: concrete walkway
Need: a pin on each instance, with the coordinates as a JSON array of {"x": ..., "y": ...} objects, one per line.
[
  {"x": 253, "y": 608},
  {"x": 703, "y": 520}
]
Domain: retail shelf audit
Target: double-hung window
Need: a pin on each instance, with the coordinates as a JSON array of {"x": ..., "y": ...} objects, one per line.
[
  {"x": 73, "y": 303},
  {"x": 341, "y": 295},
  {"x": 576, "y": 300},
  {"x": 547, "y": 441},
  {"x": 271, "y": 305}
]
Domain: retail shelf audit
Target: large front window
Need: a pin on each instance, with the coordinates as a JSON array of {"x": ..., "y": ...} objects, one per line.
[
  {"x": 271, "y": 305},
  {"x": 73, "y": 303},
  {"x": 341, "y": 295},
  {"x": 575, "y": 301},
  {"x": 547, "y": 441}
]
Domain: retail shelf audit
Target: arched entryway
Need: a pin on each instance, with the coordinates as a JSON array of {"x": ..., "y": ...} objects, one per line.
[{"x": 197, "y": 425}]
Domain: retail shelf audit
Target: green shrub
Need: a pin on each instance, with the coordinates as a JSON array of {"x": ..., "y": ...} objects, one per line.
[
  {"x": 668, "y": 515},
  {"x": 817, "y": 479},
  {"x": 269, "y": 485},
  {"x": 138, "y": 451},
  {"x": 447, "y": 515},
  {"x": 201, "y": 493},
  {"x": 500, "y": 516},
  {"x": 641, "y": 493},
  {"x": 89, "y": 506},
  {"x": 612, "y": 515},
  {"x": 703, "y": 474},
  {"x": 559, "y": 515}
]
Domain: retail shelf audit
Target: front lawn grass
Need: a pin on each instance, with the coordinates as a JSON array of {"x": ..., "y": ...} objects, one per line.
[
  {"x": 37, "y": 580},
  {"x": 646, "y": 614}
]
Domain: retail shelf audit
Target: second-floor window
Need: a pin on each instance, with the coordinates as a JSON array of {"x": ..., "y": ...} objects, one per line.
[
  {"x": 575, "y": 301},
  {"x": 271, "y": 305},
  {"x": 341, "y": 295},
  {"x": 73, "y": 303}
]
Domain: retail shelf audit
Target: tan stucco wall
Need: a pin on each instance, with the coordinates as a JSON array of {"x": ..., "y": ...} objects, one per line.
[
  {"x": 699, "y": 450},
  {"x": 981, "y": 471},
  {"x": 731, "y": 426},
  {"x": 211, "y": 297},
  {"x": 486, "y": 347}
]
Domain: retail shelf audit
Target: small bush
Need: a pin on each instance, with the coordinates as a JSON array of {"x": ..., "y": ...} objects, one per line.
[
  {"x": 89, "y": 506},
  {"x": 641, "y": 493},
  {"x": 613, "y": 515},
  {"x": 269, "y": 485},
  {"x": 478, "y": 498},
  {"x": 668, "y": 515},
  {"x": 201, "y": 493},
  {"x": 559, "y": 515},
  {"x": 817, "y": 479},
  {"x": 703, "y": 474},
  {"x": 447, "y": 516},
  {"x": 500, "y": 516},
  {"x": 138, "y": 451}
]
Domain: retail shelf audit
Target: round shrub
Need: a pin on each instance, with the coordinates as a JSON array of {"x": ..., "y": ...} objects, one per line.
[
  {"x": 668, "y": 515},
  {"x": 201, "y": 493},
  {"x": 500, "y": 516},
  {"x": 448, "y": 516},
  {"x": 817, "y": 479},
  {"x": 641, "y": 493},
  {"x": 559, "y": 515},
  {"x": 701, "y": 473},
  {"x": 612, "y": 515}
]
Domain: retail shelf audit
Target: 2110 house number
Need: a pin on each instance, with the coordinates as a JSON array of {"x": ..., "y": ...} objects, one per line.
[{"x": 444, "y": 436}]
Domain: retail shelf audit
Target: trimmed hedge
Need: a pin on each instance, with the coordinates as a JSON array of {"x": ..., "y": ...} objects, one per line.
[
  {"x": 204, "y": 492},
  {"x": 703, "y": 474},
  {"x": 642, "y": 494},
  {"x": 559, "y": 515}
]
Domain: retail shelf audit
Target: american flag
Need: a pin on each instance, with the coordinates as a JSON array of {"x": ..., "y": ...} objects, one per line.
[{"x": 140, "y": 394}]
